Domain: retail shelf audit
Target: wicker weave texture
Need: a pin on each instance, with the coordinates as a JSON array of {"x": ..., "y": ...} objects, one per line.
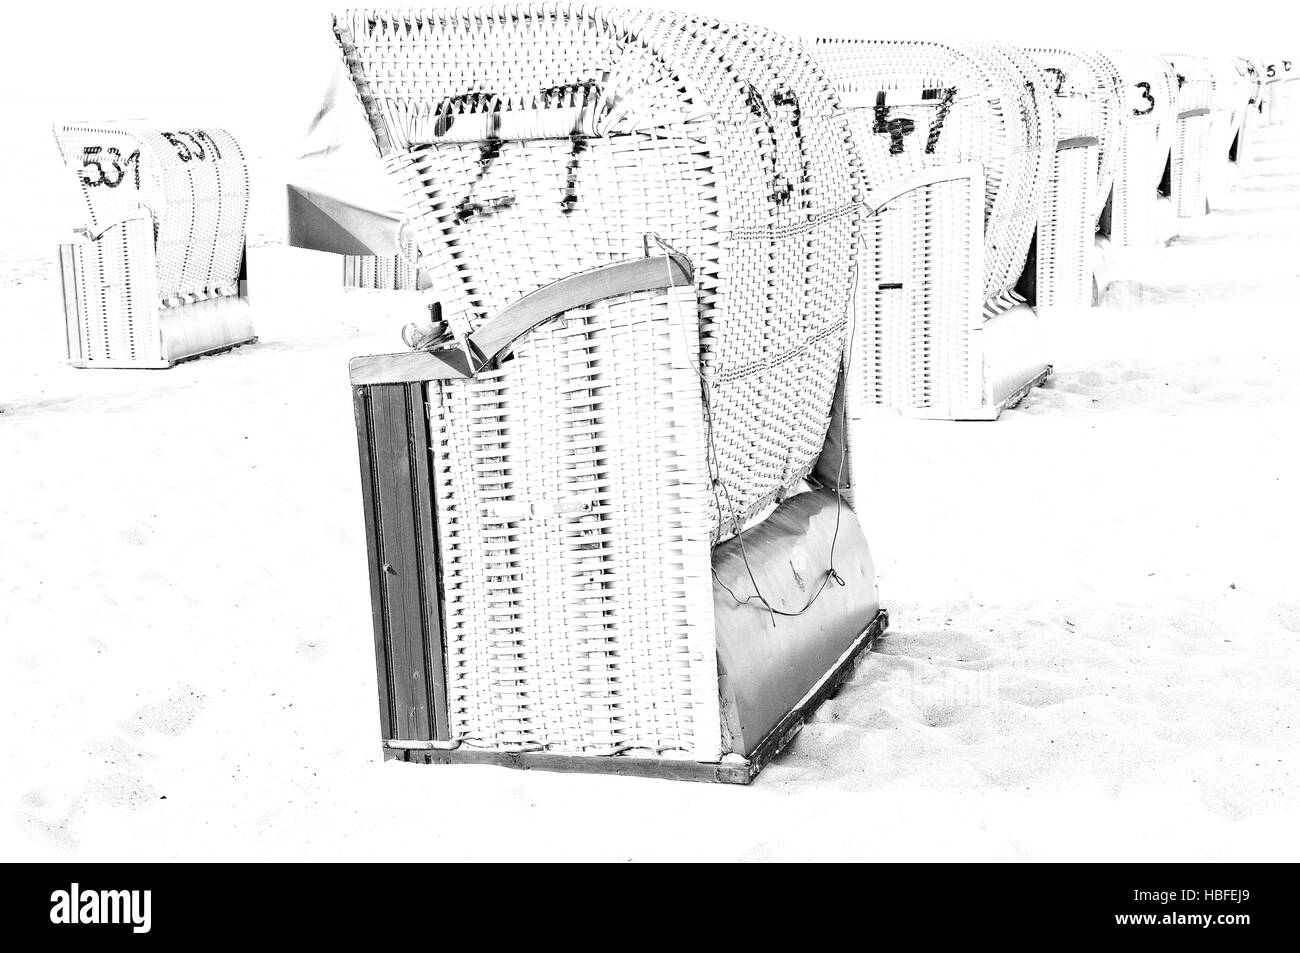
[
  {"x": 1089, "y": 101},
  {"x": 918, "y": 310},
  {"x": 533, "y": 143},
  {"x": 116, "y": 319},
  {"x": 395, "y": 273},
  {"x": 918, "y": 105},
  {"x": 928, "y": 274},
  {"x": 193, "y": 181},
  {"x": 1067, "y": 231},
  {"x": 1190, "y": 166},
  {"x": 586, "y": 626}
]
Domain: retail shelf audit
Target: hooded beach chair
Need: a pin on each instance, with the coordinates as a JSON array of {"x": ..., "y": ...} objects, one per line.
[
  {"x": 953, "y": 168},
  {"x": 155, "y": 274},
  {"x": 600, "y": 536},
  {"x": 1189, "y": 167},
  {"x": 1243, "y": 151},
  {"x": 1136, "y": 215},
  {"x": 1279, "y": 75},
  {"x": 1087, "y": 93},
  {"x": 1230, "y": 99}
]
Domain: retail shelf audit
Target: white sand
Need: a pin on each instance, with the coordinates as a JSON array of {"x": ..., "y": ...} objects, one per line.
[{"x": 1095, "y": 609}]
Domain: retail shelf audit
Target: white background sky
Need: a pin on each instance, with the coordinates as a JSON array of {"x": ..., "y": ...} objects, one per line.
[
  {"x": 153, "y": 54},
  {"x": 258, "y": 68}
]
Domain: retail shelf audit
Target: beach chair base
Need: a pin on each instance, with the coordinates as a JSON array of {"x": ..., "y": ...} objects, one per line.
[
  {"x": 185, "y": 334},
  {"x": 1012, "y": 397},
  {"x": 1013, "y": 358},
  {"x": 112, "y": 314},
  {"x": 1166, "y": 220},
  {"x": 731, "y": 770},
  {"x": 1114, "y": 264}
]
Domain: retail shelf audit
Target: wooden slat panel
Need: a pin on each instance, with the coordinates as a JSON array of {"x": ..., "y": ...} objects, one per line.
[
  {"x": 430, "y": 571},
  {"x": 399, "y": 567},
  {"x": 361, "y": 410}
]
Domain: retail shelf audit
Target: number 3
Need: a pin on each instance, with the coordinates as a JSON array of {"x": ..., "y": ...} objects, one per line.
[{"x": 1146, "y": 95}]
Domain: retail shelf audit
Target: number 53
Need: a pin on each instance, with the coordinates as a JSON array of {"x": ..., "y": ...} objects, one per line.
[{"x": 110, "y": 168}]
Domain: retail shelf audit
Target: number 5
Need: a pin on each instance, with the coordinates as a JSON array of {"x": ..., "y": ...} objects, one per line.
[{"x": 87, "y": 160}]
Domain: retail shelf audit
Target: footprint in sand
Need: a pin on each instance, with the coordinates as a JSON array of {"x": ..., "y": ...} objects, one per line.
[
  {"x": 169, "y": 717},
  {"x": 44, "y": 822},
  {"x": 122, "y": 783},
  {"x": 139, "y": 533}
]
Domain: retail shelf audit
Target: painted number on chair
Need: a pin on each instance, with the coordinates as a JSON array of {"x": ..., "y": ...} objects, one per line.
[
  {"x": 105, "y": 166},
  {"x": 1147, "y": 98},
  {"x": 109, "y": 168},
  {"x": 899, "y": 128},
  {"x": 190, "y": 147}
]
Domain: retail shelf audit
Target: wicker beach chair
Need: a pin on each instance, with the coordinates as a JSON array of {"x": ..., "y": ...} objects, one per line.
[
  {"x": 1148, "y": 116},
  {"x": 1243, "y": 153},
  {"x": 953, "y": 167},
  {"x": 1230, "y": 98},
  {"x": 593, "y": 542},
  {"x": 1088, "y": 94},
  {"x": 156, "y": 272},
  {"x": 1279, "y": 75},
  {"x": 387, "y": 273},
  {"x": 1189, "y": 166}
]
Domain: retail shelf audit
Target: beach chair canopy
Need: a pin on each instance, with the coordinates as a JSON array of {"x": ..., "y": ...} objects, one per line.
[
  {"x": 1149, "y": 89},
  {"x": 532, "y": 144},
  {"x": 1194, "y": 77},
  {"x": 916, "y": 105},
  {"x": 1088, "y": 96},
  {"x": 1251, "y": 77}
]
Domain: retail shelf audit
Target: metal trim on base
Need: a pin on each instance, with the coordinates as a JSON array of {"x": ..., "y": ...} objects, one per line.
[
  {"x": 740, "y": 771},
  {"x": 160, "y": 365},
  {"x": 987, "y": 411}
]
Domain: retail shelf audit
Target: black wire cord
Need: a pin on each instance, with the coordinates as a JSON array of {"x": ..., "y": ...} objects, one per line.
[{"x": 831, "y": 573}]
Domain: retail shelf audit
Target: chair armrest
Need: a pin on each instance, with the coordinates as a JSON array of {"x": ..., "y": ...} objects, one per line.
[
  {"x": 87, "y": 233},
  {"x": 1079, "y": 142},
  {"x": 499, "y": 335},
  {"x": 887, "y": 192}
]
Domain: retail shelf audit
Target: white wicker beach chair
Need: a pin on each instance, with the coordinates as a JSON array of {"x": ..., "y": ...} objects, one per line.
[
  {"x": 953, "y": 166},
  {"x": 1280, "y": 75},
  {"x": 387, "y": 273},
  {"x": 1088, "y": 97},
  {"x": 156, "y": 272},
  {"x": 592, "y": 543},
  {"x": 1230, "y": 98},
  {"x": 1253, "y": 120},
  {"x": 1190, "y": 162},
  {"x": 1148, "y": 114}
]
